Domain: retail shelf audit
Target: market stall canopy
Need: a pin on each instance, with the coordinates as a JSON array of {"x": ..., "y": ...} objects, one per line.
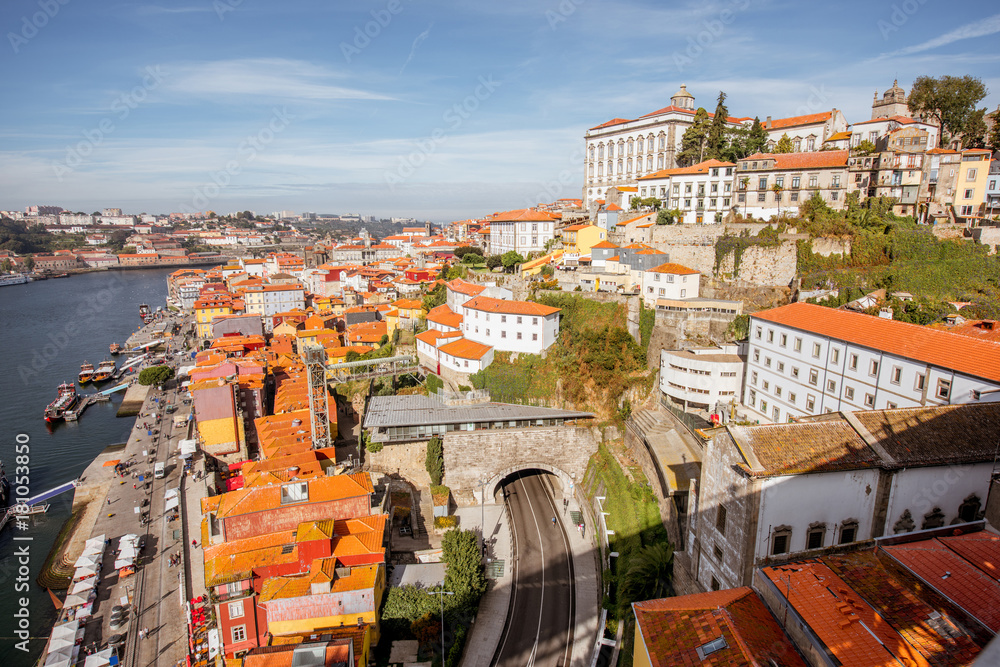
[
  {"x": 60, "y": 657},
  {"x": 97, "y": 541},
  {"x": 124, "y": 562},
  {"x": 66, "y": 630},
  {"x": 83, "y": 587},
  {"x": 99, "y": 659},
  {"x": 128, "y": 553},
  {"x": 86, "y": 561},
  {"x": 84, "y": 573},
  {"x": 74, "y": 601},
  {"x": 187, "y": 448}
]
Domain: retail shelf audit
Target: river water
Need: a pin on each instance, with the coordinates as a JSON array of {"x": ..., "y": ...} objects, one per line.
[{"x": 47, "y": 329}]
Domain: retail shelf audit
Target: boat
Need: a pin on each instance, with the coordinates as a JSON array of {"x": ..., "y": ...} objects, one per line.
[
  {"x": 60, "y": 275},
  {"x": 145, "y": 313},
  {"x": 86, "y": 372},
  {"x": 56, "y": 410},
  {"x": 14, "y": 279},
  {"x": 116, "y": 348},
  {"x": 105, "y": 371}
]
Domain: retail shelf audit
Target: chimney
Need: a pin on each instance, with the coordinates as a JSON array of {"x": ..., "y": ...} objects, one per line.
[{"x": 767, "y": 123}]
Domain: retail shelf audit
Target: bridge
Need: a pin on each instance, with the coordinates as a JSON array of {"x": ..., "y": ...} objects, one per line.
[{"x": 370, "y": 368}]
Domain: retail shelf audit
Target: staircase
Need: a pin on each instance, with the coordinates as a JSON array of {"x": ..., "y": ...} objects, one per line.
[
  {"x": 650, "y": 422},
  {"x": 422, "y": 507}
]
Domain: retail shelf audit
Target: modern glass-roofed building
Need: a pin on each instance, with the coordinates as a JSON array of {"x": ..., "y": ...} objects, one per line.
[{"x": 407, "y": 418}]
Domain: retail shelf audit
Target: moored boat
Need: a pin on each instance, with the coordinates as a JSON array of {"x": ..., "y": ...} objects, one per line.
[
  {"x": 116, "y": 348},
  {"x": 14, "y": 279},
  {"x": 86, "y": 372},
  {"x": 105, "y": 370},
  {"x": 56, "y": 410},
  {"x": 145, "y": 313}
]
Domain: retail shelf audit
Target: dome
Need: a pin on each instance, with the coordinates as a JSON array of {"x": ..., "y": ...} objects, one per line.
[
  {"x": 683, "y": 92},
  {"x": 682, "y": 98}
]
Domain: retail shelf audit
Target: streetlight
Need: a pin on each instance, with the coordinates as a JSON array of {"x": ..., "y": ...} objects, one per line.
[
  {"x": 482, "y": 512},
  {"x": 442, "y": 593}
]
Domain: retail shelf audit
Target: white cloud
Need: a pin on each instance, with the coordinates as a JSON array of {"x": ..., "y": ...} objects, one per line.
[{"x": 987, "y": 26}]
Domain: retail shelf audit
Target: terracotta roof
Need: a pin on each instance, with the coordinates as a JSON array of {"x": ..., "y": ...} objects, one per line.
[
  {"x": 260, "y": 498},
  {"x": 671, "y": 267},
  {"x": 613, "y": 121},
  {"x": 490, "y": 305},
  {"x": 284, "y": 656},
  {"x": 700, "y": 168},
  {"x": 431, "y": 336},
  {"x": 576, "y": 228},
  {"x": 465, "y": 349},
  {"x": 322, "y": 571},
  {"x": 622, "y": 223},
  {"x": 947, "y": 572},
  {"x": 813, "y": 160},
  {"x": 786, "y": 449},
  {"x": 522, "y": 215},
  {"x": 605, "y": 244},
  {"x": 463, "y": 287},
  {"x": 445, "y": 316},
  {"x": 839, "y": 136},
  {"x": 674, "y": 628},
  {"x": 795, "y": 121},
  {"x": 613, "y": 207},
  {"x": 970, "y": 356},
  {"x": 690, "y": 112},
  {"x": 850, "y": 629}
]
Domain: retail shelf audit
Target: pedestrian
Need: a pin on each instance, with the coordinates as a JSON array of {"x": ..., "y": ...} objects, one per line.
[
  {"x": 135, "y": 486},
  {"x": 109, "y": 501}
]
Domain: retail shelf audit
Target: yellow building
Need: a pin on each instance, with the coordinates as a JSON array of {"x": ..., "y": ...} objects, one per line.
[
  {"x": 535, "y": 266},
  {"x": 577, "y": 240},
  {"x": 410, "y": 309},
  {"x": 970, "y": 188},
  {"x": 207, "y": 309}
]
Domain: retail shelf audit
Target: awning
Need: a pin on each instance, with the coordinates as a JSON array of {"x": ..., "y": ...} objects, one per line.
[
  {"x": 171, "y": 504},
  {"x": 238, "y": 465},
  {"x": 84, "y": 573},
  {"x": 83, "y": 587},
  {"x": 86, "y": 561},
  {"x": 59, "y": 657},
  {"x": 124, "y": 562},
  {"x": 74, "y": 601},
  {"x": 187, "y": 448},
  {"x": 99, "y": 659},
  {"x": 97, "y": 541},
  {"x": 128, "y": 552},
  {"x": 108, "y": 464},
  {"x": 66, "y": 630}
]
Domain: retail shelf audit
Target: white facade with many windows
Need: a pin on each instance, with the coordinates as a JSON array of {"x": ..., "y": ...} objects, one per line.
[
  {"x": 702, "y": 376},
  {"x": 512, "y": 326},
  {"x": 669, "y": 281},
  {"x": 806, "y": 359},
  {"x": 523, "y": 231},
  {"x": 268, "y": 300},
  {"x": 703, "y": 192}
]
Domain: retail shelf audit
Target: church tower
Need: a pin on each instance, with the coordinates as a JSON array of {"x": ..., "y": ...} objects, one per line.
[
  {"x": 893, "y": 103},
  {"x": 683, "y": 99}
]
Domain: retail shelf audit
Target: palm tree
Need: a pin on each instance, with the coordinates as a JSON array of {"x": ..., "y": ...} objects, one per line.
[
  {"x": 777, "y": 192},
  {"x": 648, "y": 577}
]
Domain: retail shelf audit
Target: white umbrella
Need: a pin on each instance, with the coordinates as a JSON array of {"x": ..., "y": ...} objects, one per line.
[
  {"x": 119, "y": 564},
  {"x": 83, "y": 587},
  {"x": 66, "y": 630},
  {"x": 97, "y": 541},
  {"x": 99, "y": 659},
  {"x": 74, "y": 601},
  {"x": 62, "y": 656},
  {"x": 128, "y": 552},
  {"x": 85, "y": 561}
]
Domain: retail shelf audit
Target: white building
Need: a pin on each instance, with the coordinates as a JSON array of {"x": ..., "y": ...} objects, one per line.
[
  {"x": 513, "y": 326},
  {"x": 769, "y": 492},
  {"x": 619, "y": 151},
  {"x": 268, "y": 300},
  {"x": 523, "y": 231},
  {"x": 771, "y": 183},
  {"x": 806, "y": 359},
  {"x": 669, "y": 281},
  {"x": 701, "y": 377},
  {"x": 704, "y": 191},
  {"x": 806, "y": 132},
  {"x": 448, "y": 350}
]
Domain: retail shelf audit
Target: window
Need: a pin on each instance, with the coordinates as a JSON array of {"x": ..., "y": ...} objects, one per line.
[
  {"x": 796, "y": 181},
  {"x": 762, "y": 196},
  {"x": 890, "y": 406},
  {"x": 717, "y": 552},
  {"x": 813, "y": 181},
  {"x": 869, "y": 400},
  {"x": 970, "y": 175},
  {"x": 810, "y": 402},
  {"x": 294, "y": 493},
  {"x": 944, "y": 389},
  {"x": 831, "y": 386},
  {"x": 918, "y": 382},
  {"x": 715, "y": 584},
  {"x": 781, "y": 366},
  {"x": 835, "y": 356},
  {"x": 763, "y": 407},
  {"x": 518, "y": 319},
  {"x": 756, "y": 355},
  {"x": 762, "y": 183},
  {"x": 849, "y": 393},
  {"x": 767, "y": 361},
  {"x": 783, "y": 340},
  {"x": 519, "y": 335},
  {"x": 933, "y": 519},
  {"x": 753, "y": 378},
  {"x": 534, "y": 320},
  {"x": 873, "y": 368},
  {"x": 816, "y": 350},
  {"x": 791, "y": 397},
  {"x": 969, "y": 509},
  {"x": 758, "y": 332},
  {"x": 236, "y": 609},
  {"x": 798, "y": 344},
  {"x": 813, "y": 377},
  {"x": 814, "y": 538},
  {"x": 534, "y": 336},
  {"x": 849, "y": 531},
  {"x": 752, "y": 400},
  {"x": 776, "y": 413},
  {"x": 720, "y": 519},
  {"x": 714, "y": 645},
  {"x": 897, "y": 374},
  {"x": 239, "y": 633},
  {"x": 503, "y": 334},
  {"x": 770, "y": 335},
  {"x": 780, "y": 539}
]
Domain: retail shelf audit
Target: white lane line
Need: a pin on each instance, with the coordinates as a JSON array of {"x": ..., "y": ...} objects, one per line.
[
  {"x": 541, "y": 603},
  {"x": 513, "y": 595},
  {"x": 572, "y": 582}
]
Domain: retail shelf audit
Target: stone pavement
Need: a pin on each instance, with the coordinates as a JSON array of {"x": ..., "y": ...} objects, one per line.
[{"x": 484, "y": 635}]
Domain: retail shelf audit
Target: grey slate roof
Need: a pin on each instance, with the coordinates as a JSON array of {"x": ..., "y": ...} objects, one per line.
[{"x": 415, "y": 410}]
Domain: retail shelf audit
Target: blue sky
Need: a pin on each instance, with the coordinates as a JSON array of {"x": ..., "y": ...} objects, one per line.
[{"x": 443, "y": 110}]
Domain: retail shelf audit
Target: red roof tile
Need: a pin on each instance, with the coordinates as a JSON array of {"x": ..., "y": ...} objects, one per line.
[
  {"x": 795, "y": 121},
  {"x": 814, "y": 160},
  {"x": 978, "y": 358},
  {"x": 671, "y": 267},
  {"x": 489, "y": 305},
  {"x": 465, "y": 349}
]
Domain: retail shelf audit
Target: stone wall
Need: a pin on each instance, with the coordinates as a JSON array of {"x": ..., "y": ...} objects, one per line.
[
  {"x": 406, "y": 459},
  {"x": 988, "y": 236},
  {"x": 832, "y": 246},
  {"x": 672, "y": 327},
  {"x": 948, "y": 230},
  {"x": 764, "y": 265},
  {"x": 471, "y": 455}
]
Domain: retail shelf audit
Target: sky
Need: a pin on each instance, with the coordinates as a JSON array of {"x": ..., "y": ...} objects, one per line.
[{"x": 423, "y": 108}]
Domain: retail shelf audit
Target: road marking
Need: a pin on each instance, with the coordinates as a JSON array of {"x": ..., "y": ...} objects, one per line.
[
  {"x": 541, "y": 547},
  {"x": 513, "y": 596},
  {"x": 572, "y": 580}
]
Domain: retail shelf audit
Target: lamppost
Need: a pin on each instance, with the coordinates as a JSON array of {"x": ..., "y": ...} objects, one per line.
[
  {"x": 482, "y": 513},
  {"x": 442, "y": 593}
]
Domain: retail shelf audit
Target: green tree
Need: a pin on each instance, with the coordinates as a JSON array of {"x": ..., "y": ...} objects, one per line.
[
  {"x": 455, "y": 272},
  {"x": 756, "y": 138},
  {"x": 548, "y": 271},
  {"x": 436, "y": 297},
  {"x": 695, "y": 139},
  {"x": 975, "y": 130},
  {"x": 383, "y": 340},
  {"x": 118, "y": 238},
  {"x": 950, "y": 100},
  {"x": 29, "y": 263},
  {"x": 645, "y": 202},
  {"x": 493, "y": 261},
  {"x": 784, "y": 145},
  {"x": 434, "y": 460},
  {"x": 993, "y": 140},
  {"x": 155, "y": 375},
  {"x": 464, "y": 568},
  {"x": 6, "y": 266},
  {"x": 465, "y": 250},
  {"x": 510, "y": 259},
  {"x": 865, "y": 147},
  {"x": 648, "y": 577},
  {"x": 718, "y": 131},
  {"x": 669, "y": 216},
  {"x": 472, "y": 258}
]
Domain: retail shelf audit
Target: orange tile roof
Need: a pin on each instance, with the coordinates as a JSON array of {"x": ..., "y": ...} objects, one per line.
[
  {"x": 795, "y": 121},
  {"x": 700, "y": 168},
  {"x": 613, "y": 121},
  {"x": 490, "y": 305},
  {"x": 576, "y": 228},
  {"x": 284, "y": 656},
  {"x": 431, "y": 336},
  {"x": 463, "y": 287},
  {"x": 849, "y": 628},
  {"x": 605, "y": 244},
  {"x": 261, "y": 498},
  {"x": 522, "y": 215},
  {"x": 465, "y": 349},
  {"x": 814, "y": 160},
  {"x": 977, "y": 358},
  {"x": 672, "y": 268},
  {"x": 445, "y": 316},
  {"x": 322, "y": 570},
  {"x": 674, "y": 628}
]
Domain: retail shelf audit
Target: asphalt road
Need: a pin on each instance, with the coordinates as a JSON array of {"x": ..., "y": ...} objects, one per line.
[{"x": 539, "y": 629}]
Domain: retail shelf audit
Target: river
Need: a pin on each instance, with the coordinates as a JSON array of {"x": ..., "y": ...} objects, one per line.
[{"x": 47, "y": 329}]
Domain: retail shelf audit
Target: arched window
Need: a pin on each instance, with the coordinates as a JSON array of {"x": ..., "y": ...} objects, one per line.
[
  {"x": 849, "y": 531},
  {"x": 591, "y": 151},
  {"x": 619, "y": 167},
  {"x": 630, "y": 146},
  {"x": 628, "y": 167},
  {"x": 933, "y": 519},
  {"x": 659, "y": 162},
  {"x": 611, "y": 168},
  {"x": 600, "y": 152},
  {"x": 639, "y": 143},
  {"x": 969, "y": 509},
  {"x": 663, "y": 141},
  {"x": 600, "y": 170},
  {"x": 611, "y": 149},
  {"x": 649, "y": 163}
]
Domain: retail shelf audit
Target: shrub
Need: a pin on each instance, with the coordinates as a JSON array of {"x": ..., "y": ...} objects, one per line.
[
  {"x": 155, "y": 375},
  {"x": 434, "y": 460},
  {"x": 445, "y": 522},
  {"x": 434, "y": 383}
]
